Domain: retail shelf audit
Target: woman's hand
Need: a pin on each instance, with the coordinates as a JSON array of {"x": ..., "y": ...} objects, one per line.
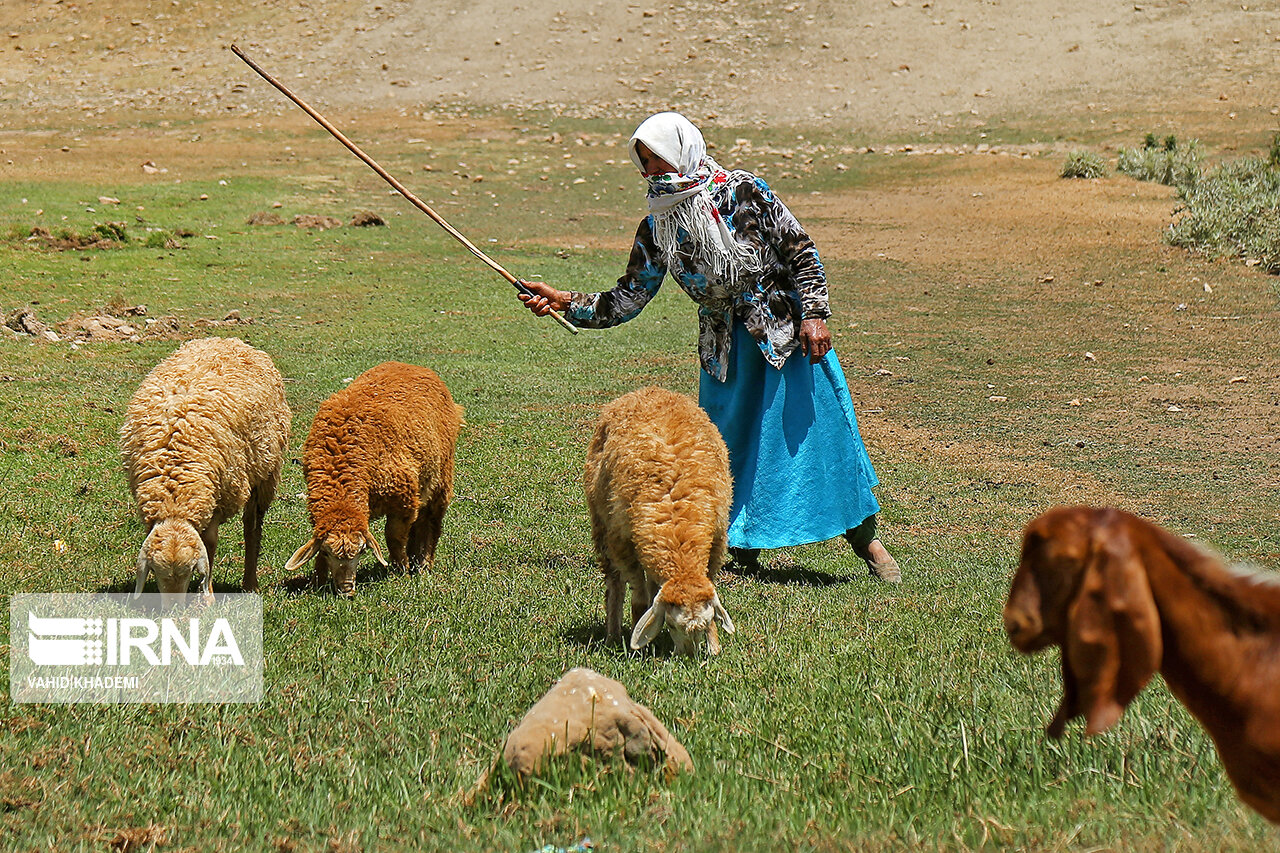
[
  {"x": 815, "y": 339},
  {"x": 545, "y": 298}
]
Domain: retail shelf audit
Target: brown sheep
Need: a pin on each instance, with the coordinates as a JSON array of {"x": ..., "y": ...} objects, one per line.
[
  {"x": 658, "y": 490},
  {"x": 381, "y": 446},
  {"x": 204, "y": 437},
  {"x": 1123, "y": 598}
]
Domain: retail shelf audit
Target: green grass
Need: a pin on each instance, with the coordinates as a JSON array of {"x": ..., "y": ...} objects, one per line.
[
  {"x": 1084, "y": 164},
  {"x": 1171, "y": 162},
  {"x": 844, "y": 714},
  {"x": 1233, "y": 211}
]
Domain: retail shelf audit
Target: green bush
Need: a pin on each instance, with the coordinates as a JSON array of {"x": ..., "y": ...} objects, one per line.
[
  {"x": 113, "y": 231},
  {"x": 1233, "y": 210},
  {"x": 1084, "y": 164},
  {"x": 1167, "y": 162}
]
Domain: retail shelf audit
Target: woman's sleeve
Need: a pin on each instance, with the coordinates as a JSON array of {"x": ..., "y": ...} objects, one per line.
[
  {"x": 796, "y": 252},
  {"x": 645, "y": 271}
]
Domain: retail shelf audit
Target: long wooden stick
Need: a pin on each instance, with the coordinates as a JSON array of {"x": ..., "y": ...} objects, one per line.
[{"x": 399, "y": 187}]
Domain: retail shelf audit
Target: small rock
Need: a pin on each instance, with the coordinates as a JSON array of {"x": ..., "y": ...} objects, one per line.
[
  {"x": 1088, "y": 356},
  {"x": 586, "y": 712}
]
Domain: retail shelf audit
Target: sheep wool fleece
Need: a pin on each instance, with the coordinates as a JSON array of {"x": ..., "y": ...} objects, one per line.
[
  {"x": 385, "y": 443},
  {"x": 207, "y": 425}
]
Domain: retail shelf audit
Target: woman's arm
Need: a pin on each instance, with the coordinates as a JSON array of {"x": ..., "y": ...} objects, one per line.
[
  {"x": 640, "y": 283},
  {"x": 796, "y": 251}
]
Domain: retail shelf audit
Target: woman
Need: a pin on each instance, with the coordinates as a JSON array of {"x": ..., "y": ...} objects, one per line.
[{"x": 800, "y": 471}]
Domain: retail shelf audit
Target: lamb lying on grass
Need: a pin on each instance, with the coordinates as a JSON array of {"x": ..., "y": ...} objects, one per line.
[
  {"x": 658, "y": 490},
  {"x": 204, "y": 437},
  {"x": 382, "y": 446}
]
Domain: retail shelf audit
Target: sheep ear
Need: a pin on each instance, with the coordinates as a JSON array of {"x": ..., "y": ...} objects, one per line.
[
  {"x": 722, "y": 614},
  {"x": 143, "y": 568},
  {"x": 653, "y": 621},
  {"x": 1113, "y": 636},
  {"x": 373, "y": 546},
  {"x": 302, "y": 555},
  {"x": 206, "y": 585}
]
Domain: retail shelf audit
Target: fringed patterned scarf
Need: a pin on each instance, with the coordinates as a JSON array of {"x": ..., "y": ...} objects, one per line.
[{"x": 680, "y": 201}]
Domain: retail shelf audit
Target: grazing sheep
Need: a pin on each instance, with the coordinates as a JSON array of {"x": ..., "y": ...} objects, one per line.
[
  {"x": 1123, "y": 598},
  {"x": 205, "y": 437},
  {"x": 381, "y": 446},
  {"x": 658, "y": 489}
]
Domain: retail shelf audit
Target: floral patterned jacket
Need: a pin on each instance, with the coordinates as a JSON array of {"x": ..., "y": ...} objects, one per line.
[{"x": 791, "y": 288}]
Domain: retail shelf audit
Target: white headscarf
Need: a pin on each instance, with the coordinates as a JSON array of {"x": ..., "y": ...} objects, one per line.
[{"x": 682, "y": 200}]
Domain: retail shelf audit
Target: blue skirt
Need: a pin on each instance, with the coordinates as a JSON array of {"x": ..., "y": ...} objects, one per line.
[{"x": 800, "y": 471}]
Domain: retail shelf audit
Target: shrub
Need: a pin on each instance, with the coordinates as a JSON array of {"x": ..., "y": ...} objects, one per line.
[
  {"x": 1169, "y": 163},
  {"x": 161, "y": 240},
  {"x": 113, "y": 231},
  {"x": 1232, "y": 210},
  {"x": 1084, "y": 164}
]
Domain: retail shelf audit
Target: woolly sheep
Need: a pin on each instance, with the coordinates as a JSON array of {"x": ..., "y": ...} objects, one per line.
[
  {"x": 204, "y": 438},
  {"x": 658, "y": 490},
  {"x": 381, "y": 446}
]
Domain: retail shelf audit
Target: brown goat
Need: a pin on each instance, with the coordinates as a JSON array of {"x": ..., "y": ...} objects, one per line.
[{"x": 1123, "y": 597}]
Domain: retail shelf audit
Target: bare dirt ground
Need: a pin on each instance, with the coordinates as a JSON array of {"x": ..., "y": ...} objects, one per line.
[
  {"x": 938, "y": 75},
  {"x": 870, "y": 66}
]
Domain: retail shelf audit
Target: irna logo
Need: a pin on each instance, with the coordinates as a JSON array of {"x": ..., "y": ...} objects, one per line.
[{"x": 62, "y": 641}]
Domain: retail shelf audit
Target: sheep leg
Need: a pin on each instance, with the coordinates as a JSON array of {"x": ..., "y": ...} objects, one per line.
[
  {"x": 719, "y": 545},
  {"x": 643, "y": 592},
  {"x": 398, "y": 541},
  {"x": 614, "y": 585},
  {"x": 614, "y": 588},
  {"x": 254, "y": 510},
  {"x": 425, "y": 533}
]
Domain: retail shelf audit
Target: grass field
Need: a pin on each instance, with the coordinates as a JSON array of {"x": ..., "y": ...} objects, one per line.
[{"x": 844, "y": 714}]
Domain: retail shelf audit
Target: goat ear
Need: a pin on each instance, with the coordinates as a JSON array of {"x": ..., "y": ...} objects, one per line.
[
  {"x": 302, "y": 555},
  {"x": 721, "y": 614},
  {"x": 373, "y": 546},
  {"x": 653, "y": 621},
  {"x": 1113, "y": 636}
]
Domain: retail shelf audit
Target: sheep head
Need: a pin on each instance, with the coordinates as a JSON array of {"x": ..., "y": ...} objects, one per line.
[
  {"x": 342, "y": 545},
  {"x": 1081, "y": 585},
  {"x": 690, "y": 613},
  {"x": 173, "y": 551}
]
